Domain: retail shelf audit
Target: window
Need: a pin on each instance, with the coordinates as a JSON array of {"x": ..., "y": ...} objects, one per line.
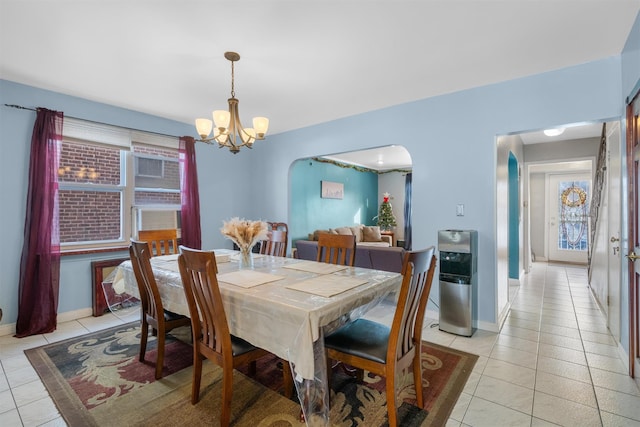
[{"x": 111, "y": 185}]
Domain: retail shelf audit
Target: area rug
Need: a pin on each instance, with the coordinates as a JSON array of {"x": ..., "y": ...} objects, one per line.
[{"x": 97, "y": 380}]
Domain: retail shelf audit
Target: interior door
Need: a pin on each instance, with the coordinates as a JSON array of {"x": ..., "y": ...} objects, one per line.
[
  {"x": 568, "y": 198},
  {"x": 614, "y": 221},
  {"x": 633, "y": 160}
]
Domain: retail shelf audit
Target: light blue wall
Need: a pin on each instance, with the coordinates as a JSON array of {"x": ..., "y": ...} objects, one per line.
[
  {"x": 452, "y": 142},
  {"x": 310, "y": 212}
]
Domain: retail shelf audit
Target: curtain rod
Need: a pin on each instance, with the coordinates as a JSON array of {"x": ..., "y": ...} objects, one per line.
[{"x": 20, "y": 107}]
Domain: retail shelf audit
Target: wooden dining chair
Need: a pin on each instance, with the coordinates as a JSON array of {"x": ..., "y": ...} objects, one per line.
[
  {"x": 384, "y": 351},
  {"x": 161, "y": 242},
  {"x": 152, "y": 312},
  {"x": 336, "y": 249},
  {"x": 211, "y": 336},
  {"x": 275, "y": 244}
]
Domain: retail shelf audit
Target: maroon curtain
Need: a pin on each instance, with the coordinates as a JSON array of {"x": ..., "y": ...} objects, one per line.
[
  {"x": 40, "y": 262},
  {"x": 189, "y": 195}
]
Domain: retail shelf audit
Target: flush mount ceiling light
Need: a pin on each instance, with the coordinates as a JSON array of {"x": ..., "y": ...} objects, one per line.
[
  {"x": 228, "y": 131},
  {"x": 553, "y": 132}
]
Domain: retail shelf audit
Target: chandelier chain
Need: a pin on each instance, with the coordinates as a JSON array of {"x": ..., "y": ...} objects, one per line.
[{"x": 233, "y": 91}]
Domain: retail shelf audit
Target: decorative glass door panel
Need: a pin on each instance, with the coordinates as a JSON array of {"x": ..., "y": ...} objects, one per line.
[
  {"x": 573, "y": 208},
  {"x": 569, "y": 197}
]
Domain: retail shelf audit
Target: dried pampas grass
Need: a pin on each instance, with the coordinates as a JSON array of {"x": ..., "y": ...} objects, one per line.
[{"x": 244, "y": 233}]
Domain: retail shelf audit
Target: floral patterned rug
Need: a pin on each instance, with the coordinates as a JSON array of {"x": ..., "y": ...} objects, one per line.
[{"x": 97, "y": 379}]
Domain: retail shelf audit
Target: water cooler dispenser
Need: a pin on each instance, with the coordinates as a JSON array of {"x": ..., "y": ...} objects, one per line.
[{"x": 458, "y": 278}]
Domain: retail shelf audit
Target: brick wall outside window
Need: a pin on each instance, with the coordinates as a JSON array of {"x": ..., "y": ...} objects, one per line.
[{"x": 92, "y": 191}]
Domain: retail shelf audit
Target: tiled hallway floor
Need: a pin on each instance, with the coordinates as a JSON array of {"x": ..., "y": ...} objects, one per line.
[{"x": 554, "y": 363}]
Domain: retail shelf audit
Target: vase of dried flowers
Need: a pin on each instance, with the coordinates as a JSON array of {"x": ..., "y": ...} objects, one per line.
[{"x": 245, "y": 234}]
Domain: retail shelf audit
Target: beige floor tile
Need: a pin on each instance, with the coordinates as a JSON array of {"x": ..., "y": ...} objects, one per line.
[
  {"x": 560, "y": 330},
  {"x": 606, "y": 363},
  {"x": 10, "y": 419},
  {"x": 66, "y": 330},
  {"x": 56, "y": 422},
  {"x": 512, "y": 355},
  {"x": 4, "y": 385},
  {"x": 564, "y": 412},
  {"x": 601, "y": 349},
  {"x": 505, "y": 393},
  {"x": 518, "y": 343},
  {"x": 614, "y": 381},
  {"x": 526, "y": 334},
  {"x": 613, "y": 420},
  {"x": 519, "y": 375},
  {"x": 483, "y": 413},
  {"x": 560, "y": 341},
  {"x": 480, "y": 343},
  {"x": 597, "y": 337},
  {"x": 38, "y": 412},
  {"x": 576, "y": 391},
  {"x": 453, "y": 423},
  {"x": 30, "y": 392},
  {"x": 521, "y": 323},
  {"x": 12, "y": 347},
  {"x": 472, "y": 383},
  {"x": 6, "y": 401},
  {"x": 460, "y": 407},
  {"x": 537, "y": 422},
  {"x": 20, "y": 376},
  {"x": 565, "y": 369},
  {"x": 562, "y": 353},
  {"x": 525, "y": 315},
  {"x": 625, "y": 405}
]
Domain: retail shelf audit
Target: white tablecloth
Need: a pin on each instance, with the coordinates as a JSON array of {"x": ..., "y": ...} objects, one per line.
[{"x": 272, "y": 316}]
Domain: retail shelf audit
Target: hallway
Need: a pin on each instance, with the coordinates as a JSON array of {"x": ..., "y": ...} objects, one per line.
[{"x": 554, "y": 362}]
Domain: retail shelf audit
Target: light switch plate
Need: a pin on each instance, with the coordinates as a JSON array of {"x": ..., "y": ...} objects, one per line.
[{"x": 460, "y": 210}]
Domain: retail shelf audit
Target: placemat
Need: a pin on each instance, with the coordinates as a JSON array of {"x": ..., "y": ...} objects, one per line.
[
  {"x": 316, "y": 267},
  {"x": 247, "y": 278},
  {"x": 327, "y": 285}
]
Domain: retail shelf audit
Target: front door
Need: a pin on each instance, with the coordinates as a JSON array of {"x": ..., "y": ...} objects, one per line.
[{"x": 569, "y": 196}]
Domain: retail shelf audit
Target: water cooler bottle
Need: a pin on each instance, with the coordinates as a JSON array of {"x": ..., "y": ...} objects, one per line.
[{"x": 458, "y": 277}]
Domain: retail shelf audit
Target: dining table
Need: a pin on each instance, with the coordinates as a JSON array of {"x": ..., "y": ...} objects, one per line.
[{"x": 283, "y": 305}]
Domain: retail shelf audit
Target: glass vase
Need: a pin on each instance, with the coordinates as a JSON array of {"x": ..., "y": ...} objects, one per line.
[{"x": 246, "y": 259}]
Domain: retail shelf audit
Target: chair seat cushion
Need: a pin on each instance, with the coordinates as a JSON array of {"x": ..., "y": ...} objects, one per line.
[
  {"x": 240, "y": 346},
  {"x": 362, "y": 338},
  {"x": 169, "y": 316}
]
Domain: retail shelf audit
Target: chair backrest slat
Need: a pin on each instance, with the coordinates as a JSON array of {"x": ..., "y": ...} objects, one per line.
[
  {"x": 198, "y": 270},
  {"x": 147, "y": 286},
  {"x": 161, "y": 242},
  {"x": 275, "y": 244},
  {"x": 337, "y": 249},
  {"x": 406, "y": 330}
]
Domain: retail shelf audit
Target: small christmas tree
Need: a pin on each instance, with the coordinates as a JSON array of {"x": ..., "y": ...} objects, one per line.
[{"x": 385, "y": 216}]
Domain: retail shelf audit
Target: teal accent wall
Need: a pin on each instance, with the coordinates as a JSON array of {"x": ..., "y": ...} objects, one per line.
[
  {"x": 514, "y": 219},
  {"x": 310, "y": 212}
]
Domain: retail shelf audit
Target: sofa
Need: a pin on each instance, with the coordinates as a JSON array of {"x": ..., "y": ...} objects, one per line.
[{"x": 377, "y": 257}]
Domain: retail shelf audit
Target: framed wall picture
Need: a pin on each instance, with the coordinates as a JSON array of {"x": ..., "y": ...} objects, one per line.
[{"x": 332, "y": 190}]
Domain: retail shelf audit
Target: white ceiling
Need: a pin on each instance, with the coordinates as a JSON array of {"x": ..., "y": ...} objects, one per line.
[{"x": 302, "y": 62}]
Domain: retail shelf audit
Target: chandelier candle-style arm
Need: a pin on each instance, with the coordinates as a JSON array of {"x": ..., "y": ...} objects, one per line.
[{"x": 226, "y": 126}]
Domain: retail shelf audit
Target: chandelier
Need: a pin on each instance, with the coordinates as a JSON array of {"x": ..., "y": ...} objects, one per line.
[{"x": 228, "y": 131}]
